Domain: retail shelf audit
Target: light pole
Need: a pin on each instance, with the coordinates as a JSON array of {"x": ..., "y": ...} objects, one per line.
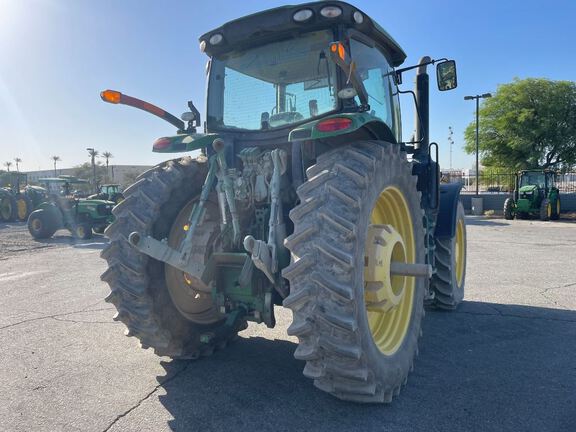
[
  {"x": 93, "y": 157},
  {"x": 477, "y": 97}
]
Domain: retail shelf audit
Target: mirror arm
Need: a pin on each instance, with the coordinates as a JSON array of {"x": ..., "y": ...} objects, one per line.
[{"x": 398, "y": 72}]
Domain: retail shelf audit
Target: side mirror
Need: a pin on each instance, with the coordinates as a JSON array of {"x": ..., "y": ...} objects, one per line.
[{"x": 446, "y": 75}]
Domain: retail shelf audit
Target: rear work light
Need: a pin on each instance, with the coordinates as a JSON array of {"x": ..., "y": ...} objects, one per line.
[
  {"x": 334, "y": 124},
  {"x": 331, "y": 12},
  {"x": 303, "y": 15}
]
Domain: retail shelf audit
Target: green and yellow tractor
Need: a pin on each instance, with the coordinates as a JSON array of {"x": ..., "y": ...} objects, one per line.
[
  {"x": 61, "y": 210},
  {"x": 302, "y": 194},
  {"x": 21, "y": 203},
  {"x": 535, "y": 194}
]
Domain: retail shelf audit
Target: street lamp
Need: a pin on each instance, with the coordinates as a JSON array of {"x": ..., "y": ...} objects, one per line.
[
  {"x": 477, "y": 97},
  {"x": 93, "y": 157}
]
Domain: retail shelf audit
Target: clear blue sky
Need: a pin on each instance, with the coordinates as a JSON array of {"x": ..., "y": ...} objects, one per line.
[{"x": 57, "y": 55}]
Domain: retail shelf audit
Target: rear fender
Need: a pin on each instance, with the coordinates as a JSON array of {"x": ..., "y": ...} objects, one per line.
[
  {"x": 447, "y": 213},
  {"x": 362, "y": 126}
]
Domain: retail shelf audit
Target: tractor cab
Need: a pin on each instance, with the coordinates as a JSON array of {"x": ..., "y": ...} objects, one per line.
[
  {"x": 543, "y": 180},
  {"x": 109, "y": 192}
]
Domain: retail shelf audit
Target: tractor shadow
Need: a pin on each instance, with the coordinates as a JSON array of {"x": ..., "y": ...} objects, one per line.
[
  {"x": 483, "y": 221},
  {"x": 63, "y": 237},
  {"x": 486, "y": 367}
]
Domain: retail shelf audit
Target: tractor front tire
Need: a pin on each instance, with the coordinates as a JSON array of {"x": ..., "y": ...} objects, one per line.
[
  {"x": 545, "y": 210},
  {"x": 158, "y": 303},
  {"x": 41, "y": 224},
  {"x": 83, "y": 231},
  {"x": 358, "y": 341},
  {"x": 509, "y": 209},
  {"x": 448, "y": 281}
]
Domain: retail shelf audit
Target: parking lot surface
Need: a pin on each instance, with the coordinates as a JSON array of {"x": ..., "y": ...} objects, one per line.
[{"x": 505, "y": 361}]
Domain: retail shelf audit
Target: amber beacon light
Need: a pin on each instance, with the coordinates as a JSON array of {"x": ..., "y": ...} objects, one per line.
[{"x": 111, "y": 96}]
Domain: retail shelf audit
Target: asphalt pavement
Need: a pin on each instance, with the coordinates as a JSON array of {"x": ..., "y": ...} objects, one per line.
[{"x": 505, "y": 361}]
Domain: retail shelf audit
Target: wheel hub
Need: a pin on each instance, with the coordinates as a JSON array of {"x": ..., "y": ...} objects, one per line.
[{"x": 384, "y": 291}]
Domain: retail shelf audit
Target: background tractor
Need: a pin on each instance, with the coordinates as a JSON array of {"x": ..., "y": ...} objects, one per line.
[
  {"x": 61, "y": 210},
  {"x": 535, "y": 194},
  {"x": 109, "y": 192},
  {"x": 17, "y": 184},
  {"x": 304, "y": 195}
]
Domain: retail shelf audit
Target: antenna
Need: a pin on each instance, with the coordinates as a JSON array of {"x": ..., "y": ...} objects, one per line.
[{"x": 451, "y": 143}]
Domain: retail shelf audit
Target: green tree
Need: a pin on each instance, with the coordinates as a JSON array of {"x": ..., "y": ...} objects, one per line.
[
  {"x": 527, "y": 124},
  {"x": 107, "y": 155},
  {"x": 85, "y": 172}
]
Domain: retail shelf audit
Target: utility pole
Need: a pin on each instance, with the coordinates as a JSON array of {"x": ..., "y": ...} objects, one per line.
[{"x": 477, "y": 97}]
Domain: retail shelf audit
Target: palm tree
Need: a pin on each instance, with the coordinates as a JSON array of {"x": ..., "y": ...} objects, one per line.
[
  {"x": 8, "y": 165},
  {"x": 107, "y": 155},
  {"x": 55, "y": 159},
  {"x": 18, "y": 161}
]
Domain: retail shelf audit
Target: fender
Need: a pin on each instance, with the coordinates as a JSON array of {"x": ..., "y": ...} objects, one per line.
[
  {"x": 446, "y": 220},
  {"x": 358, "y": 121}
]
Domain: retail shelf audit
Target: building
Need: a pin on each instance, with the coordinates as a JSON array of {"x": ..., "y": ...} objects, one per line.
[{"x": 121, "y": 174}]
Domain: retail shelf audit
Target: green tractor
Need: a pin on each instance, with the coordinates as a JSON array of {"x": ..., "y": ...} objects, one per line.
[
  {"x": 109, "y": 192},
  {"x": 16, "y": 184},
  {"x": 304, "y": 195},
  {"x": 535, "y": 194},
  {"x": 61, "y": 210}
]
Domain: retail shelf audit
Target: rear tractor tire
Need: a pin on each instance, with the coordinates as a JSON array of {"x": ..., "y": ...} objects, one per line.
[
  {"x": 158, "y": 303},
  {"x": 24, "y": 207},
  {"x": 449, "y": 279},
  {"x": 509, "y": 209},
  {"x": 556, "y": 210},
  {"x": 41, "y": 224},
  {"x": 545, "y": 210},
  {"x": 357, "y": 325}
]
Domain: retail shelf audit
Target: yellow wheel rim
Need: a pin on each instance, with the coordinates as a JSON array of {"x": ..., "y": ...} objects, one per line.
[
  {"x": 557, "y": 207},
  {"x": 549, "y": 210},
  {"x": 22, "y": 210},
  {"x": 80, "y": 231},
  {"x": 460, "y": 253},
  {"x": 389, "y": 318},
  {"x": 36, "y": 224}
]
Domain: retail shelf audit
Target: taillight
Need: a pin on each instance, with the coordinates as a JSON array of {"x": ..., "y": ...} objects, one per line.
[
  {"x": 161, "y": 143},
  {"x": 334, "y": 124}
]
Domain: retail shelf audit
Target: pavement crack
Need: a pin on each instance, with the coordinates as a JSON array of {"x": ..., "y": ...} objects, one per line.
[
  {"x": 54, "y": 316},
  {"x": 147, "y": 396},
  {"x": 84, "y": 322}
]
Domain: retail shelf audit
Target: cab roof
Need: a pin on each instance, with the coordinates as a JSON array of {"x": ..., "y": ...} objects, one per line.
[{"x": 273, "y": 24}]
